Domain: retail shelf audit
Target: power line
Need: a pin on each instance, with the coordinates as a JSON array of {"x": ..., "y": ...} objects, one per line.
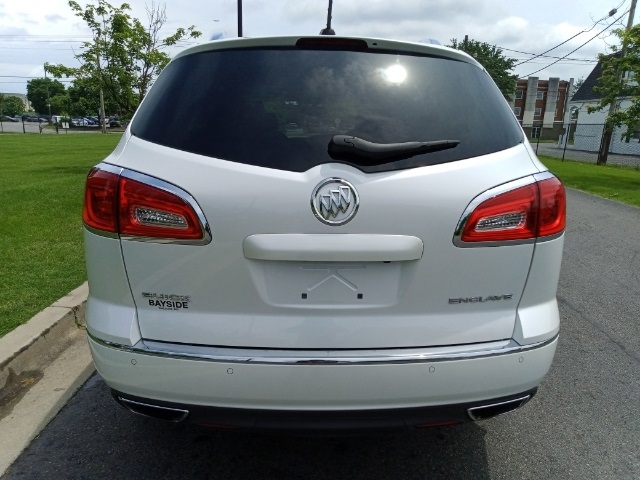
[
  {"x": 572, "y": 51},
  {"x": 545, "y": 56},
  {"x": 611, "y": 13}
]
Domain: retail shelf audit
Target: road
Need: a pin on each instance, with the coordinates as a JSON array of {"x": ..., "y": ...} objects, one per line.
[{"x": 583, "y": 424}]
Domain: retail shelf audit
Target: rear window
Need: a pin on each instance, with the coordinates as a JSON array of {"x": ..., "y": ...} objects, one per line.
[{"x": 280, "y": 108}]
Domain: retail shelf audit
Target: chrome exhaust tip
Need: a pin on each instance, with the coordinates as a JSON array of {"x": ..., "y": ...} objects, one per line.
[
  {"x": 155, "y": 411},
  {"x": 493, "y": 410}
]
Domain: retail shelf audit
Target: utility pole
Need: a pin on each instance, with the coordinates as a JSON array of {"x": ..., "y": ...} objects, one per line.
[
  {"x": 239, "y": 18},
  {"x": 103, "y": 120},
  {"x": 48, "y": 99},
  {"x": 607, "y": 133}
]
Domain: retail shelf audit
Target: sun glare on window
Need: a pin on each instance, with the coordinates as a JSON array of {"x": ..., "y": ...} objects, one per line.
[{"x": 396, "y": 73}]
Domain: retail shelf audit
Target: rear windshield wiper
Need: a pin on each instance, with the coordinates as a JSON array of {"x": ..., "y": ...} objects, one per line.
[{"x": 362, "y": 152}]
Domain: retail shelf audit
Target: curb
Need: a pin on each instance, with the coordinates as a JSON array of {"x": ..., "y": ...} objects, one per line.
[{"x": 49, "y": 358}]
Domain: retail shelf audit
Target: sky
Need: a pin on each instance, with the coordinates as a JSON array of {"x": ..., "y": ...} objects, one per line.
[{"x": 35, "y": 32}]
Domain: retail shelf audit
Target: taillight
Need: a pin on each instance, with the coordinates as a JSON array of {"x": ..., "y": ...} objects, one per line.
[
  {"x": 553, "y": 207},
  {"x": 525, "y": 212},
  {"x": 99, "y": 208},
  {"x": 147, "y": 211},
  {"x": 140, "y": 207}
]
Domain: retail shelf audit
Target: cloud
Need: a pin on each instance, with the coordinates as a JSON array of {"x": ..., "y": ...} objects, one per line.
[{"x": 54, "y": 18}]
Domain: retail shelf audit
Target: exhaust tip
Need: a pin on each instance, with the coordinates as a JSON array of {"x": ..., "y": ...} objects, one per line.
[
  {"x": 493, "y": 410},
  {"x": 155, "y": 411}
]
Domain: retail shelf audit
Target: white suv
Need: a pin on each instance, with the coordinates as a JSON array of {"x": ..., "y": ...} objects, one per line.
[{"x": 323, "y": 232}]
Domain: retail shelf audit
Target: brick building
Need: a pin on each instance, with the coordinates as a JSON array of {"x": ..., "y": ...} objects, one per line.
[{"x": 539, "y": 105}]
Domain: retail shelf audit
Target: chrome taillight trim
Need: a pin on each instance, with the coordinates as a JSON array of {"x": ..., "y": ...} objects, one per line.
[
  {"x": 323, "y": 357},
  {"x": 494, "y": 192},
  {"x": 167, "y": 187}
]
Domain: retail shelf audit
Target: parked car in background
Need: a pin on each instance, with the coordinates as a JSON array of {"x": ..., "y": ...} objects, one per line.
[
  {"x": 7, "y": 118},
  {"x": 80, "y": 122},
  {"x": 364, "y": 238}
]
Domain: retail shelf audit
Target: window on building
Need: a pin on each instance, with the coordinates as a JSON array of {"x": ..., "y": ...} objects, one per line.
[
  {"x": 519, "y": 94},
  {"x": 540, "y": 95},
  {"x": 537, "y": 112},
  {"x": 535, "y": 132},
  {"x": 629, "y": 79},
  {"x": 516, "y": 111}
]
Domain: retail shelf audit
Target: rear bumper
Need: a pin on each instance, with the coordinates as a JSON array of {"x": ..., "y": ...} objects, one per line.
[
  {"x": 327, "y": 421},
  {"x": 394, "y": 379}
]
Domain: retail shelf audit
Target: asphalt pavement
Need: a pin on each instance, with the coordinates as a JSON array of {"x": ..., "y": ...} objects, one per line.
[{"x": 583, "y": 424}]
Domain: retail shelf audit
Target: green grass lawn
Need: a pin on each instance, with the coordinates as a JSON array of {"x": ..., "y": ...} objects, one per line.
[
  {"x": 41, "y": 187},
  {"x": 608, "y": 181}
]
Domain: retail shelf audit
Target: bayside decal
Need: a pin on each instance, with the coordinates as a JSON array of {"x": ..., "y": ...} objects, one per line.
[{"x": 166, "y": 301}]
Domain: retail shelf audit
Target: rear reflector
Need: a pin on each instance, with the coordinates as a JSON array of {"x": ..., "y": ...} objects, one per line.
[
  {"x": 140, "y": 207},
  {"x": 526, "y": 212}
]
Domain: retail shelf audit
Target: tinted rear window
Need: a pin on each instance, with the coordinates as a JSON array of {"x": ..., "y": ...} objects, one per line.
[{"x": 279, "y": 108}]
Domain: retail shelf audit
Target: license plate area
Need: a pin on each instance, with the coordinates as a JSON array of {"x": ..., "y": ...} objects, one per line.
[{"x": 328, "y": 284}]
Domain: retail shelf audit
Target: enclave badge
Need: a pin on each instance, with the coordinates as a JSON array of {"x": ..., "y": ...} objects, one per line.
[{"x": 334, "y": 201}]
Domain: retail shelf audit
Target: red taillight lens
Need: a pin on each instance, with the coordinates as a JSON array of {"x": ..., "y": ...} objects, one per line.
[
  {"x": 118, "y": 204},
  {"x": 553, "y": 207},
  {"x": 147, "y": 211},
  {"x": 99, "y": 209},
  {"x": 509, "y": 216},
  {"x": 527, "y": 212}
]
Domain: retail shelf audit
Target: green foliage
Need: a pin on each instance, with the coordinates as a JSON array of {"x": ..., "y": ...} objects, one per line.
[
  {"x": 576, "y": 86},
  {"x": 12, "y": 106},
  {"x": 493, "y": 60},
  {"x": 620, "y": 74},
  {"x": 37, "y": 93},
  {"x": 124, "y": 55},
  {"x": 60, "y": 104}
]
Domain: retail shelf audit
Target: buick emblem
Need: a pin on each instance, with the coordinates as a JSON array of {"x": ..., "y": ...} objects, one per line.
[{"x": 334, "y": 201}]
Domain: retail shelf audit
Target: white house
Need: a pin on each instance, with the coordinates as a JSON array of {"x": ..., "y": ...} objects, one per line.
[{"x": 589, "y": 126}]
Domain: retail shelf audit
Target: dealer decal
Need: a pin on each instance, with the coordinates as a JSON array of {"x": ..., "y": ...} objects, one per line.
[{"x": 167, "y": 301}]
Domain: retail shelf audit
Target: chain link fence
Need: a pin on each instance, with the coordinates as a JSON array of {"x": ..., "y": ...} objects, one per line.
[
  {"x": 581, "y": 142},
  {"x": 46, "y": 127}
]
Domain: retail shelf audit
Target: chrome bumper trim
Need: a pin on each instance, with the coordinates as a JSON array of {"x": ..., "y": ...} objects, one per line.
[{"x": 323, "y": 357}]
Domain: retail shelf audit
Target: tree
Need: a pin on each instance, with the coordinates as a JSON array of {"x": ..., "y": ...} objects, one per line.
[
  {"x": 84, "y": 98},
  {"x": 493, "y": 60},
  {"x": 124, "y": 56},
  {"x": 576, "y": 86},
  {"x": 40, "y": 90},
  {"x": 12, "y": 106},
  {"x": 619, "y": 80},
  {"x": 60, "y": 104}
]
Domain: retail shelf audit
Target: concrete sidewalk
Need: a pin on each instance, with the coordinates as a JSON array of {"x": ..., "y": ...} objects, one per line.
[{"x": 42, "y": 364}]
